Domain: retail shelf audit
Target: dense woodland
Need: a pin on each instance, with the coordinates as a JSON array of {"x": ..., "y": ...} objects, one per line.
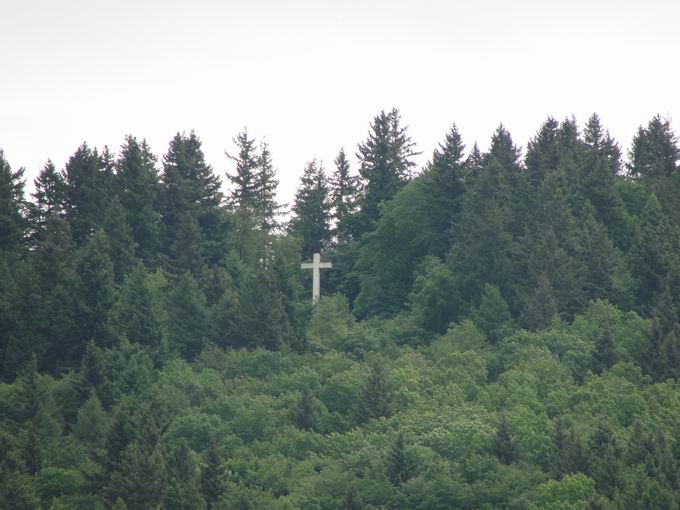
[{"x": 500, "y": 329}]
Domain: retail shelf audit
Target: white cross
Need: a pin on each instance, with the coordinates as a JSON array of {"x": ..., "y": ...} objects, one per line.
[{"x": 316, "y": 280}]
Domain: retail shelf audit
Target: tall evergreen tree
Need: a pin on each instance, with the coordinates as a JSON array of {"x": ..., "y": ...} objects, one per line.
[
  {"x": 311, "y": 210},
  {"x": 88, "y": 190},
  {"x": 138, "y": 186},
  {"x": 416, "y": 223},
  {"x": 48, "y": 199},
  {"x": 244, "y": 195},
  {"x": 491, "y": 220},
  {"x": 12, "y": 205},
  {"x": 267, "y": 184},
  {"x": 655, "y": 151},
  {"x": 384, "y": 165},
  {"x": 191, "y": 193},
  {"x": 120, "y": 240},
  {"x": 344, "y": 194},
  {"x": 94, "y": 291}
]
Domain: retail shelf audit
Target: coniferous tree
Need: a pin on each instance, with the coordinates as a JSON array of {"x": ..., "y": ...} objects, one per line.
[
  {"x": 601, "y": 143},
  {"x": 543, "y": 152},
  {"x": 652, "y": 258},
  {"x": 133, "y": 315},
  {"x": 120, "y": 240},
  {"x": 138, "y": 187},
  {"x": 94, "y": 292},
  {"x": 244, "y": 196},
  {"x": 12, "y": 206},
  {"x": 311, "y": 210},
  {"x": 187, "y": 317},
  {"x": 88, "y": 190},
  {"x": 190, "y": 197},
  {"x": 267, "y": 185},
  {"x": 48, "y": 200},
  {"x": 343, "y": 194},
  {"x": 416, "y": 223},
  {"x": 485, "y": 236},
  {"x": 384, "y": 165},
  {"x": 655, "y": 151}
]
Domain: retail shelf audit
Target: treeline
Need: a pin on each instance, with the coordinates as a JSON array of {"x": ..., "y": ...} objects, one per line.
[{"x": 499, "y": 331}]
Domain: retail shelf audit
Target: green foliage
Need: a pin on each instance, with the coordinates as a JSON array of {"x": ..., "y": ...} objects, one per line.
[
  {"x": 159, "y": 350},
  {"x": 311, "y": 210}
]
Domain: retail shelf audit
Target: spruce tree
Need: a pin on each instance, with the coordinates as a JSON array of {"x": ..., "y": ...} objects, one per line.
[
  {"x": 94, "y": 292},
  {"x": 384, "y": 165},
  {"x": 343, "y": 195},
  {"x": 190, "y": 195},
  {"x": 133, "y": 315},
  {"x": 244, "y": 195},
  {"x": 120, "y": 240},
  {"x": 655, "y": 151},
  {"x": 267, "y": 207},
  {"x": 48, "y": 200},
  {"x": 138, "y": 186},
  {"x": 311, "y": 210},
  {"x": 88, "y": 190},
  {"x": 12, "y": 205}
]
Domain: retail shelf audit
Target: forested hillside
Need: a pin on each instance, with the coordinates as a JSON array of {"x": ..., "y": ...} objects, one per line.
[{"x": 500, "y": 329}]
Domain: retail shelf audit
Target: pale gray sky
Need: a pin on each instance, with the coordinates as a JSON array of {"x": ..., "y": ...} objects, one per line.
[{"x": 309, "y": 75}]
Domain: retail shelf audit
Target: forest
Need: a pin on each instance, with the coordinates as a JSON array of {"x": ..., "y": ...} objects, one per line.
[{"x": 499, "y": 329}]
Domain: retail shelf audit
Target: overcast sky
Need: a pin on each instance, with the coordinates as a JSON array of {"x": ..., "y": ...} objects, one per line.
[{"x": 310, "y": 75}]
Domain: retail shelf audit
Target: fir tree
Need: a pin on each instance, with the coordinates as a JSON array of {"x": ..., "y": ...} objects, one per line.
[
  {"x": 343, "y": 195},
  {"x": 94, "y": 291},
  {"x": 88, "y": 190},
  {"x": 655, "y": 151},
  {"x": 120, "y": 240},
  {"x": 138, "y": 187},
  {"x": 384, "y": 165},
  {"x": 311, "y": 210},
  {"x": 12, "y": 206},
  {"x": 133, "y": 315},
  {"x": 191, "y": 193},
  {"x": 48, "y": 200},
  {"x": 244, "y": 195},
  {"x": 267, "y": 184}
]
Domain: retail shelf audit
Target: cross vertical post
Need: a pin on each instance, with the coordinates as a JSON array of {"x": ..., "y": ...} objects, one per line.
[{"x": 316, "y": 265}]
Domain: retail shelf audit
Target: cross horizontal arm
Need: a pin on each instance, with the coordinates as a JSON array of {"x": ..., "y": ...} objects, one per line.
[
  {"x": 307, "y": 265},
  {"x": 325, "y": 265}
]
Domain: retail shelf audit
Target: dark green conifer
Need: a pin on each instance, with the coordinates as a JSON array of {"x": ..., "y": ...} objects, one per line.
[{"x": 311, "y": 210}]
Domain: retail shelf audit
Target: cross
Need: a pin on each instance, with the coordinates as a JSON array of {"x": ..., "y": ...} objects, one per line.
[{"x": 316, "y": 281}]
